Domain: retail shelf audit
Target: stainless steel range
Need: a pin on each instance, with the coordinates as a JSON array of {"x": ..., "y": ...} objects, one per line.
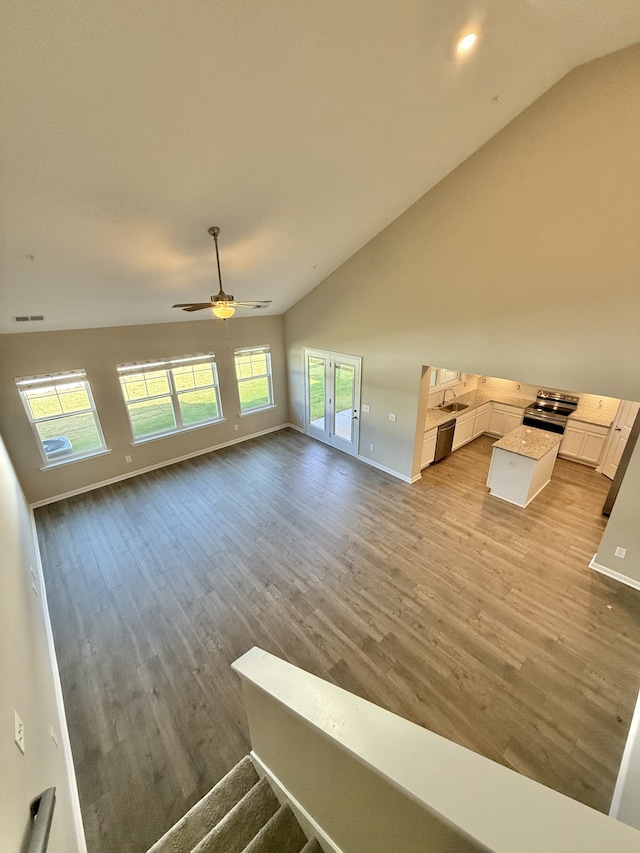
[{"x": 550, "y": 411}]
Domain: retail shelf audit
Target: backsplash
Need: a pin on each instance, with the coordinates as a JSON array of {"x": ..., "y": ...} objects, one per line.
[{"x": 588, "y": 402}]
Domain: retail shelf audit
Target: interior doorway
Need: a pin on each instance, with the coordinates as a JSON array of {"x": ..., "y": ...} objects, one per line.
[{"x": 332, "y": 398}]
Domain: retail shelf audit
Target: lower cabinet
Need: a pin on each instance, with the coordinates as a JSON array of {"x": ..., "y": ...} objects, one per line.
[
  {"x": 504, "y": 419},
  {"x": 481, "y": 423},
  {"x": 464, "y": 429},
  {"x": 429, "y": 448},
  {"x": 584, "y": 443}
]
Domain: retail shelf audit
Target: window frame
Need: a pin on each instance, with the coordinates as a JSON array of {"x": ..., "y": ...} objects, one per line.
[
  {"x": 43, "y": 381},
  {"x": 239, "y": 351},
  {"x": 167, "y": 365}
]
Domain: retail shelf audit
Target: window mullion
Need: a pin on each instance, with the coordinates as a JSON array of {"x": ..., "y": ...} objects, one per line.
[{"x": 174, "y": 400}]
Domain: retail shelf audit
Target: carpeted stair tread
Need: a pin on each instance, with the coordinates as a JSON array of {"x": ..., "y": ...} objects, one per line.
[
  {"x": 281, "y": 834},
  {"x": 246, "y": 818},
  {"x": 311, "y": 846},
  {"x": 209, "y": 811}
]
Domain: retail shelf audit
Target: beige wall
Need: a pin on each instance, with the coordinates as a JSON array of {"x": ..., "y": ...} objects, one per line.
[
  {"x": 28, "y": 685},
  {"x": 98, "y": 351},
  {"x": 523, "y": 263}
]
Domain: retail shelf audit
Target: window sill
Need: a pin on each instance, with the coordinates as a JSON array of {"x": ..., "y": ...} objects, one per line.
[
  {"x": 149, "y": 438},
  {"x": 61, "y": 462},
  {"x": 255, "y": 411}
]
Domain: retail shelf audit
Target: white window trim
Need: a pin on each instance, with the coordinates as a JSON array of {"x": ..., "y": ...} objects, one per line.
[
  {"x": 67, "y": 377},
  {"x": 266, "y": 349},
  {"x": 167, "y": 364}
]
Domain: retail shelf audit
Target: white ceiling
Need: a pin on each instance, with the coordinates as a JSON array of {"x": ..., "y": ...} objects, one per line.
[{"x": 300, "y": 127}]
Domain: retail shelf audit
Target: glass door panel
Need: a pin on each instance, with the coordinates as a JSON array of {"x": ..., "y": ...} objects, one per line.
[
  {"x": 332, "y": 391},
  {"x": 344, "y": 385},
  {"x": 316, "y": 390}
]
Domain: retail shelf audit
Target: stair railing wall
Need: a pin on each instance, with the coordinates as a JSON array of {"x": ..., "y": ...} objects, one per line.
[{"x": 374, "y": 782}]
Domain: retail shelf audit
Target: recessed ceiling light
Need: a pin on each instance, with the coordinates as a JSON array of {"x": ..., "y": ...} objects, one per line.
[{"x": 466, "y": 42}]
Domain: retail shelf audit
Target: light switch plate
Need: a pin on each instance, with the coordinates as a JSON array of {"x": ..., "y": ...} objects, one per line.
[
  {"x": 621, "y": 552},
  {"x": 392, "y": 417},
  {"x": 366, "y": 409}
]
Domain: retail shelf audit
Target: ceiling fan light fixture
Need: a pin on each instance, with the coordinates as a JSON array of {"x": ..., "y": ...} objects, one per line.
[{"x": 223, "y": 311}]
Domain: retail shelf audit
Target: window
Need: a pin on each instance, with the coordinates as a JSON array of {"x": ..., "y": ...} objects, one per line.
[
  {"x": 170, "y": 395},
  {"x": 442, "y": 376},
  {"x": 253, "y": 372},
  {"x": 63, "y": 415}
]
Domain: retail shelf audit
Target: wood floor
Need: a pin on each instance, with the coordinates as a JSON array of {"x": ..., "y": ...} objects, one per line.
[{"x": 477, "y": 619}]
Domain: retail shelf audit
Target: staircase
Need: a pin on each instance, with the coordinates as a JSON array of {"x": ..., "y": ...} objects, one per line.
[{"x": 241, "y": 814}]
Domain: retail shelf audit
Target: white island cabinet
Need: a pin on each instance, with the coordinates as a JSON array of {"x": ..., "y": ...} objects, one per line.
[{"x": 521, "y": 464}]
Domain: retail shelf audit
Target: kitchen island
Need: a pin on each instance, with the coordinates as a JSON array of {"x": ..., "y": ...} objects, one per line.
[{"x": 522, "y": 463}]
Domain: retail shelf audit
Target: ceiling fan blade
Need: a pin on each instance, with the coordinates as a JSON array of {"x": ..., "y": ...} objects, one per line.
[
  {"x": 193, "y": 306},
  {"x": 259, "y": 304}
]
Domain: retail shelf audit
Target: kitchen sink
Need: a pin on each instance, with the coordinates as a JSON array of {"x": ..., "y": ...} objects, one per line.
[{"x": 454, "y": 407}]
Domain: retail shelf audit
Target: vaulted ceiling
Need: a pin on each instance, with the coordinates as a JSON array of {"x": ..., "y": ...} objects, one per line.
[{"x": 300, "y": 127}]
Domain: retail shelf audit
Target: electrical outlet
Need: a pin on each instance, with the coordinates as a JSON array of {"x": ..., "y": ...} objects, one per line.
[
  {"x": 366, "y": 409},
  {"x": 392, "y": 416},
  {"x": 621, "y": 552},
  {"x": 235, "y": 426},
  {"x": 127, "y": 459},
  {"x": 372, "y": 447},
  {"x": 18, "y": 731}
]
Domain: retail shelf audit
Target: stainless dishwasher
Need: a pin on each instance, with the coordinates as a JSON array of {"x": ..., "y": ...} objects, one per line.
[{"x": 444, "y": 440}]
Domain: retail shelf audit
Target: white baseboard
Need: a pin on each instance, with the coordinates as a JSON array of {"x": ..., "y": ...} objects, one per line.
[
  {"x": 296, "y": 427},
  {"x": 386, "y": 470},
  {"x": 309, "y": 826},
  {"x": 63, "y": 732},
  {"x": 611, "y": 573},
  {"x": 163, "y": 464}
]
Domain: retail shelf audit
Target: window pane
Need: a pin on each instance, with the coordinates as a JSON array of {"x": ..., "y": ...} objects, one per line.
[
  {"x": 316, "y": 391},
  {"x": 69, "y": 435},
  {"x": 151, "y": 416},
  {"x": 183, "y": 377},
  {"x": 133, "y": 386},
  {"x": 43, "y": 403},
  {"x": 197, "y": 406},
  {"x": 253, "y": 364},
  {"x": 254, "y": 393},
  {"x": 74, "y": 398}
]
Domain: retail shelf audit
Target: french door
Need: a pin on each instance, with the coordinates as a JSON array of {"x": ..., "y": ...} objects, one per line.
[{"x": 332, "y": 385}]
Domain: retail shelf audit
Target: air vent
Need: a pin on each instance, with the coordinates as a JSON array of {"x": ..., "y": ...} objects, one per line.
[{"x": 29, "y": 318}]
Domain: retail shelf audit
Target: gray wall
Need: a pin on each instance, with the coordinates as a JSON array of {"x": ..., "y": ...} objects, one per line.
[
  {"x": 98, "y": 351},
  {"x": 523, "y": 263},
  {"x": 28, "y": 685}
]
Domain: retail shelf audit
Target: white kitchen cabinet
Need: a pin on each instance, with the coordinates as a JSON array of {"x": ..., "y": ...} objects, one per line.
[
  {"x": 429, "y": 448},
  {"x": 584, "y": 442},
  {"x": 504, "y": 419},
  {"x": 464, "y": 429},
  {"x": 483, "y": 416}
]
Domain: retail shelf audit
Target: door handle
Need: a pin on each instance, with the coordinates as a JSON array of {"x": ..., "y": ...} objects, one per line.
[{"x": 618, "y": 429}]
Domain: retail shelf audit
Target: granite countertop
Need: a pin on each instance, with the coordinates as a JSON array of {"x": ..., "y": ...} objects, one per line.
[
  {"x": 528, "y": 441},
  {"x": 592, "y": 416},
  {"x": 435, "y": 417}
]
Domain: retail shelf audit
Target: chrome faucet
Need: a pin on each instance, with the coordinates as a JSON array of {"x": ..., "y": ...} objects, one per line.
[{"x": 444, "y": 396}]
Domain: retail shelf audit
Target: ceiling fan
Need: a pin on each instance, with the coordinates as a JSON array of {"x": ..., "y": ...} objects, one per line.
[{"x": 222, "y": 304}]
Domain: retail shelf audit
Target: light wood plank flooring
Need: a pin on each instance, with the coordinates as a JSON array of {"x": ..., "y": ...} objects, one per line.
[{"x": 475, "y": 618}]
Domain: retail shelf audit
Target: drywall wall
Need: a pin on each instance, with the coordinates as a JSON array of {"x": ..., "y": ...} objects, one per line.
[
  {"x": 523, "y": 263},
  {"x": 98, "y": 351},
  {"x": 29, "y": 686},
  {"x": 622, "y": 529}
]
